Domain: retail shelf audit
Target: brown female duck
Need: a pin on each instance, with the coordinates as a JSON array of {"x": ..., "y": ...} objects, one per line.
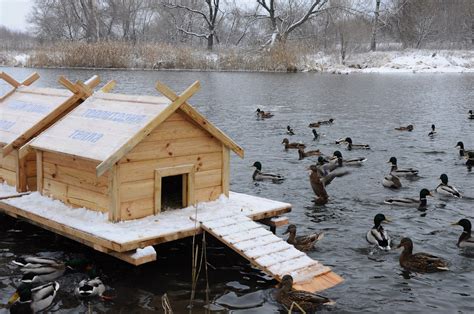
[
  {"x": 408, "y": 128},
  {"x": 289, "y": 145},
  {"x": 302, "y": 154},
  {"x": 419, "y": 262},
  {"x": 263, "y": 115},
  {"x": 319, "y": 178},
  {"x": 302, "y": 243},
  {"x": 307, "y": 301}
]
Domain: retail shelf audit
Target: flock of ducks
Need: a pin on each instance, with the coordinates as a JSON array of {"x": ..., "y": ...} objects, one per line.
[
  {"x": 327, "y": 169},
  {"x": 38, "y": 287}
]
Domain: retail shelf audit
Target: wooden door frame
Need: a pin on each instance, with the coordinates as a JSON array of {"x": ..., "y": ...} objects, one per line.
[{"x": 188, "y": 173}]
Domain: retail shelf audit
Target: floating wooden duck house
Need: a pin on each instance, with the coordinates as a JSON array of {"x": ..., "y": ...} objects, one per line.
[
  {"x": 25, "y": 112},
  {"x": 161, "y": 169}
]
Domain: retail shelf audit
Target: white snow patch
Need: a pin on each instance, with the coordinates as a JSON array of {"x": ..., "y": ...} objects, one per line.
[
  {"x": 6, "y": 190},
  {"x": 21, "y": 59},
  {"x": 168, "y": 222},
  {"x": 146, "y": 251}
]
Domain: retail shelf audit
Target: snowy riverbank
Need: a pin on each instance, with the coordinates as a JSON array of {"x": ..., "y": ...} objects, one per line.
[{"x": 405, "y": 61}]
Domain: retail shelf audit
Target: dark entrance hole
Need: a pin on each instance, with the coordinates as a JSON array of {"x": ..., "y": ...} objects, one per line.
[{"x": 172, "y": 192}]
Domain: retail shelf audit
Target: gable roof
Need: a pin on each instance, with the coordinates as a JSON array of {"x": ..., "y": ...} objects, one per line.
[
  {"x": 106, "y": 127},
  {"x": 25, "y": 111}
]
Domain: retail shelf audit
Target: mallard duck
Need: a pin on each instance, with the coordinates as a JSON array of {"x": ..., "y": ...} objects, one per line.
[
  {"x": 470, "y": 159},
  {"x": 319, "y": 179},
  {"x": 377, "y": 235},
  {"x": 462, "y": 151},
  {"x": 302, "y": 243},
  {"x": 408, "y": 128},
  {"x": 262, "y": 114},
  {"x": 433, "y": 131},
  {"x": 351, "y": 146},
  {"x": 314, "y": 125},
  {"x": 302, "y": 154},
  {"x": 340, "y": 140},
  {"x": 258, "y": 175},
  {"x": 43, "y": 269},
  {"x": 31, "y": 300},
  {"x": 315, "y": 134},
  {"x": 308, "y": 301},
  {"x": 401, "y": 172},
  {"x": 445, "y": 189},
  {"x": 289, "y": 145},
  {"x": 289, "y": 130},
  {"x": 391, "y": 181},
  {"x": 330, "y": 121},
  {"x": 465, "y": 240},
  {"x": 420, "y": 203},
  {"x": 470, "y": 115},
  {"x": 419, "y": 262},
  {"x": 90, "y": 288},
  {"x": 358, "y": 161}
]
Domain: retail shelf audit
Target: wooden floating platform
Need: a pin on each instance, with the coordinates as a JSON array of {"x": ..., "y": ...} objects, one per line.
[
  {"x": 268, "y": 252},
  {"x": 124, "y": 239}
]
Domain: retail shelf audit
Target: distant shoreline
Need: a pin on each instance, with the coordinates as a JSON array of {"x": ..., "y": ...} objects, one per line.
[{"x": 184, "y": 59}]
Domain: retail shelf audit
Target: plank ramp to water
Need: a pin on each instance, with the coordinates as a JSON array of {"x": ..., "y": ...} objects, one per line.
[{"x": 268, "y": 252}]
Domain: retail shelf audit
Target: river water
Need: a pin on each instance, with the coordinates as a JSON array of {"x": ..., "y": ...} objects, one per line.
[{"x": 366, "y": 107}]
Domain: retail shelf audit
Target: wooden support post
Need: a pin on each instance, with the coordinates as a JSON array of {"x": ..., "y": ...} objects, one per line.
[
  {"x": 39, "y": 171},
  {"x": 157, "y": 193},
  {"x": 225, "y": 170},
  {"x": 109, "y": 86},
  {"x": 115, "y": 213},
  {"x": 21, "y": 182},
  {"x": 30, "y": 79}
]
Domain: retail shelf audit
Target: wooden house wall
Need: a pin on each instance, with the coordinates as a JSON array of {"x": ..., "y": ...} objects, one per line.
[
  {"x": 73, "y": 181},
  {"x": 175, "y": 142},
  {"x": 8, "y": 168}
]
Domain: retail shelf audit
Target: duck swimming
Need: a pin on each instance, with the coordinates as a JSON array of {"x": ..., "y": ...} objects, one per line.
[
  {"x": 470, "y": 115},
  {"x": 420, "y": 203},
  {"x": 289, "y": 145},
  {"x": 408, "y": 128},
  {"x": 309, "y": 302},
  {"x": 289, "y": 130},
  {"x": 302, "y": 243},
  {"x": 31, "y": 300},
  {"x": 391, "y": 181},
  {"x": 315, "y": 135},
  {"x": 258, "y": 175},
  {"x": 262, "y": 114},
  {"x": 90, "y": 288},
  {"x": 433, "y": 131},
  {"x": 419, "y": 262},
  {"x": 401, "y": 172},
  {"x": 465, "y": 240},
  {"x": 462, "y": 151},
  {"x": 445, "y": 189},
  {"x": 351, "y": 146},
  {"x": 358, "y": 161},
  {"x": 302, "y": 154},
  {"x": 378, "y": 235}
]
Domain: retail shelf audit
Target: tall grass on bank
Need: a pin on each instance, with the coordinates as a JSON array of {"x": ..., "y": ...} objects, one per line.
[{"x": 162, "y": 56}]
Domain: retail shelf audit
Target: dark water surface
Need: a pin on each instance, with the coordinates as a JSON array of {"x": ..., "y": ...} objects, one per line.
[{"x": 367, "y": 107}]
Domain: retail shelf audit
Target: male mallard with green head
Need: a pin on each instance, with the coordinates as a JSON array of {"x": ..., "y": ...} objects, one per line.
[
  {"x": 289, "y": 145},
  {"x": 31, "y": 300},
  {"x": 302, "y": 243},
  {"x": 351, "y": 146},
  {"x": 401, "y": 172},
  {"x": 258, "y": 175},
  {"x": 407, "y": 201},
  {"x": 462, "y": 151},
  {"x": 419, "y": 262},
  {"x": 378, "y": 235},
  {"x": 433, "y": 131},
  {"x": 465, "y": 240},
  {"x": 309, "y": 302},
  {"x": 88, "y": 288},
  {"x": 289, "y": 130},
  {"x": 470, "y": 114},
  {"x": 445, "y": 189}
]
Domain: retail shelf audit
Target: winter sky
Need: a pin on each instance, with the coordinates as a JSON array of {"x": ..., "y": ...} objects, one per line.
[{"x": 13, "y": 13}]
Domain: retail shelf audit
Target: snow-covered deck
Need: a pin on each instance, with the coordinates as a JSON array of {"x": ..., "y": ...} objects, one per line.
[{"x": 94, "y": 229}]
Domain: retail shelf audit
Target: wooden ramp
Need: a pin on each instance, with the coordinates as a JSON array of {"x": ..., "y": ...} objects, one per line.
[{"x": 268, "y": 252}]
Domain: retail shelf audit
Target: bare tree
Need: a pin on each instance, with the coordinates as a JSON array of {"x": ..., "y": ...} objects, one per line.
[
  {"x": 286, "y": 17},
  {"x": 208, "y": 14},
  {"x": 373, "y": 42}
]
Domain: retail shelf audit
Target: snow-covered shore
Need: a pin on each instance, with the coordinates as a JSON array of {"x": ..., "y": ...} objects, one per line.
[{"x": 404, "y": 61}]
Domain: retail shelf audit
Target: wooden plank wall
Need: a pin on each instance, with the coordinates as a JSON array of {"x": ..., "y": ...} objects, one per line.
[
  {"x": 30, "y": 171},
  {"x": 73, "y": 181},
  {"x": 175, "y": 142},
  {"x": 8, "y": 168}
]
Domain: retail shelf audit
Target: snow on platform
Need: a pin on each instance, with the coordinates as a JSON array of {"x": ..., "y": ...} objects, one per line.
[
  {"x": 268, "y": 252},
  {"x": 7, "y": 190},
  {"x": 92, "y": 226}
]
